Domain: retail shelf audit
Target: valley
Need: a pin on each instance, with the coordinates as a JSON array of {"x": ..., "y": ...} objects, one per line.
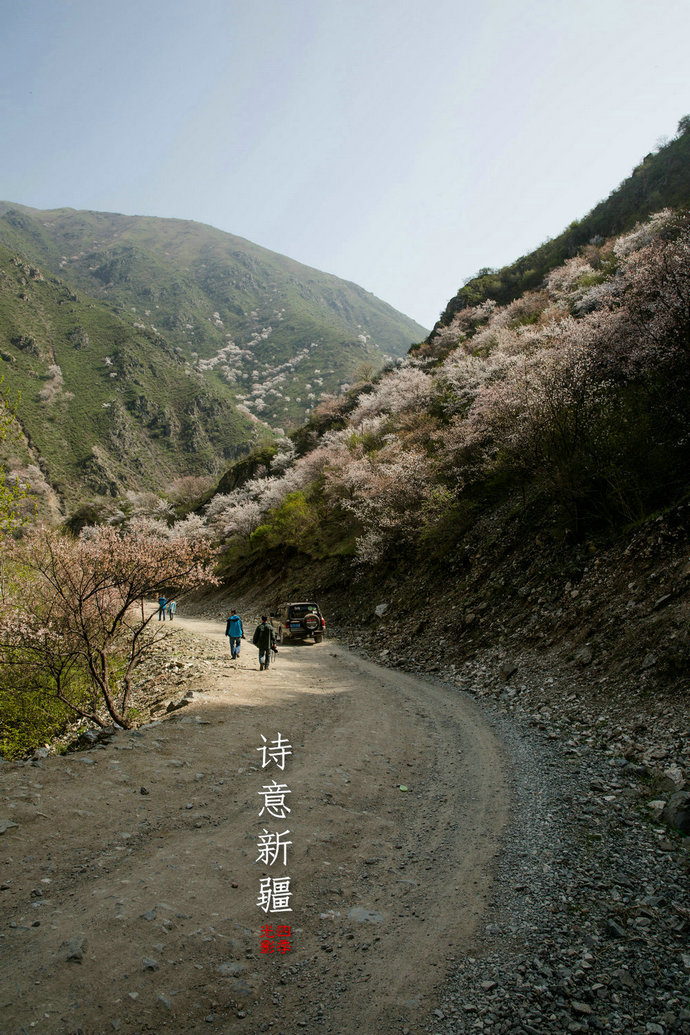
[{"x": 146, "y": 350}]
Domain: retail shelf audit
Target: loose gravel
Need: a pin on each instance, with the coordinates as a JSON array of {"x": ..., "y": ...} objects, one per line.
[{"x": 589, "y": 928}]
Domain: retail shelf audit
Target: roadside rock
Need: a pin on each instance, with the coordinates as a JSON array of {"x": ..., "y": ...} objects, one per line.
[
  {"x": 584, "y": 656},
  {"x": 74, "y": 949},
  {"x": 507, "y": 669},
  {"x": 677, "y": 812},
  {"x": 672, "y": 779},
  {"x": 174, "y": 706}
]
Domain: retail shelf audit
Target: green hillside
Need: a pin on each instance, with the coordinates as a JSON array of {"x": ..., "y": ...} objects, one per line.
[
  {"x": 277, "y": 333},
  {"x": 150, "y": 349},
  {"x": 105, "y": 406}
]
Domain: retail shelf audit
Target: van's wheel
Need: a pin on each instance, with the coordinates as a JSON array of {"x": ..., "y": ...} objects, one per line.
[{"x": 318, "y": 637}]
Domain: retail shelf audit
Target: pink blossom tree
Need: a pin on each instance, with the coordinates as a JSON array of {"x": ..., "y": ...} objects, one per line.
[
  {"x": 74, "y": 617},
  {"x": 384, "y": 491}
]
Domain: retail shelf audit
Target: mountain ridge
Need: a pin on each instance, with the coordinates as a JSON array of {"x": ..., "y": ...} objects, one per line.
[
  {"x": 134, "y": 229},
  {"x": 660, "y": 180}
]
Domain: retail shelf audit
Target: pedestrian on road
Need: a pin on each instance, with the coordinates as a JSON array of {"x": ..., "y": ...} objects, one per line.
[
  {"x": 171, "y": 609},
  {"x": 161, "y": 608},
  {"x": 234, "y": 630},
  {"x": 265, "y": 639}
]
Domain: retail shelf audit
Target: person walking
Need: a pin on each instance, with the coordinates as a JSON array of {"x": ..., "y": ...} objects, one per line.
[
  {"x": 234, "y": 630},
  {"x": 264, "y": 638},
  {"x": 161, "y": 608},
  {"x": 171, "y": 609}
]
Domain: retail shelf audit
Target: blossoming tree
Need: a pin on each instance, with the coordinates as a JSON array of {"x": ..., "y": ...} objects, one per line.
[{"x": 74, "y": 618}]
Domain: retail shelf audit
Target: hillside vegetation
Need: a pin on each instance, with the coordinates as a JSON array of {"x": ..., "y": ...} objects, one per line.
[
  {"x": 106, "y": 406},
  {"x": 556, "y": 386},
  {"x": 661, "y": 180},
  {"x": 149, "y": 350}
]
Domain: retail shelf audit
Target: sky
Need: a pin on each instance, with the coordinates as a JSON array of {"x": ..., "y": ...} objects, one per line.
[{"x": 400, "y": 144}]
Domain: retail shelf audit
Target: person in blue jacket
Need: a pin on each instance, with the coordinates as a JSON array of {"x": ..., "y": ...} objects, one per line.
[{"x": 235, "y": 631}]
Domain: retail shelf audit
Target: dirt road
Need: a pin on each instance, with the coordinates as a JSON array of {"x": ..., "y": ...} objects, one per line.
[{"x": 131, "y": 879}]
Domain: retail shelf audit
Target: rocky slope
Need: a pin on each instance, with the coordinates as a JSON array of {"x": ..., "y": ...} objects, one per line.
[{"x": 586, "y": 676}]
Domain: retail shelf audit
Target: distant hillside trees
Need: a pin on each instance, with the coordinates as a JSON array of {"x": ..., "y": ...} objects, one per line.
[{"x": 661, "y": 180}]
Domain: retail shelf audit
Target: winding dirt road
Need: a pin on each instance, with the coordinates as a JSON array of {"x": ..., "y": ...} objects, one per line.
[{"x": 130, "y": 881}]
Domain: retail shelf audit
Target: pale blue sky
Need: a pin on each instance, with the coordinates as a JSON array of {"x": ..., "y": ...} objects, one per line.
[{"x": 402, "y": 144}]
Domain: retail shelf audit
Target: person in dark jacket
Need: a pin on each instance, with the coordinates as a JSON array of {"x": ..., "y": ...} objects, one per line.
[
  {"x": 264, "y": 638},
  {"x": 235, "y": 631}
]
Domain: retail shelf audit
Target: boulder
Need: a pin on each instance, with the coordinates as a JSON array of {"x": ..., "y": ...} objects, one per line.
[
  {"x": 656, "y": 809},
  {"x": 677, "y": 811},
  {"x": 174, "y": 706},
  {"x": 74, "y": 949},
  {"x": 672, "y": 779},
  {"x": 507, "y": 669},
  {"x": 584, "y": 656}
]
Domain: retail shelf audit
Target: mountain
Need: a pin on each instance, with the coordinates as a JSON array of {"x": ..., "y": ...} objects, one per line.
[
  {"x": 146, "y": 349},
  {"x": 661, "y": 180}
]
